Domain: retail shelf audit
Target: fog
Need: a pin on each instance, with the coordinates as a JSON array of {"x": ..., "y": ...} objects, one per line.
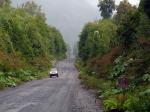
[{"x": 68, "y": 16}]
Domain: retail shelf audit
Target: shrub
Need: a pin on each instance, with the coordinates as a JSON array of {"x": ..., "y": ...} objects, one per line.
[
  {"x": 24, "y": 75},
  {"x": 41, "y": 63},
  {"x": 110, "y": 104},
  {"x": 89, "y": 81},
  {"x": 146, "y": 77},
  {"x": 102, "y": 64},
  {"x": 118, "y": 68},
  {"x": 2, "y": 80},
  {"x": 136, "y": 104},
  {"x": 130, "y": 103},
  {"x": 10, "y": 61},
  {"x": 108, "y": 92},
  {"x": 6, "y": 81}
]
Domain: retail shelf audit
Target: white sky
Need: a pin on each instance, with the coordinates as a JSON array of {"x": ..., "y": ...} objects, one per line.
[
  {"x": 134, "y": 2},
  {"x": 95, "y": 2}
]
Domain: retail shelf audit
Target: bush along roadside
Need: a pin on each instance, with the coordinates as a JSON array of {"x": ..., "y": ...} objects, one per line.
[
  {"x": 114, "y": 56},
  {"x": 87, "y": 80},
  {"x": 13, "y": 79},
  {"x": 28, "y": 45},
  {"x": 119, "y": 92}
]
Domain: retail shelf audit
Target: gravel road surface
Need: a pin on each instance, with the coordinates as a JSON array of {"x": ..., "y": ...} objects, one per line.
[{"x": 63, "y": 94}]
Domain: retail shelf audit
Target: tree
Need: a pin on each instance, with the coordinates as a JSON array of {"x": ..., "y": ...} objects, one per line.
[
  {"x": 123, "y": 8},
  {"x": 33, "y": 9},
  {"x": 28, "y": 35},
  {"x": 96, "y": 39},
  {"x": 96, "y": 44},
  {"x": 144, "y": 7},
  {"x": 141, "y": 5},
  {"x": 75, "y": 50},
  {"x": 147, "y": 7},
  {"x": 143, "y": 30},
  {"x": 127, "y": 28},
  {"x": 83, "y": 53},
  {"x": 4, "y": 2},
  {"x": 106, "y": 8},
  {"x": 127, "y": 19}
]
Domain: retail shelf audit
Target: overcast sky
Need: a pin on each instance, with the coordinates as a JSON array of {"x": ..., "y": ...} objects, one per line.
[
  {"x": 134, "y": 2},
  {"x": 69, "y": 16},
  {"x": 95, "y": 2}
]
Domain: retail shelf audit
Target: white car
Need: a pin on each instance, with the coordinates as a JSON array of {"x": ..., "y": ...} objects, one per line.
[{"x": 53, "y": 72}]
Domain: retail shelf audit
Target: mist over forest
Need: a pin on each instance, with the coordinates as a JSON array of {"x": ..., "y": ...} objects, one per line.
[{"x": 68, "y": 16}]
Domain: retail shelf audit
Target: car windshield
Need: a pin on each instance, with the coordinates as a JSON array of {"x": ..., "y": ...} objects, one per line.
[{"x": 53, "y": 69}]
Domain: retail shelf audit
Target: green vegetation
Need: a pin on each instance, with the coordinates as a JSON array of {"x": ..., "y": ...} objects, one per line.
[
  {"x": 114, "y": 58},
  {"x": 92, "y": 35},
  {"x": 106, "y": 7},
  {"x": 27, "y": 44}
]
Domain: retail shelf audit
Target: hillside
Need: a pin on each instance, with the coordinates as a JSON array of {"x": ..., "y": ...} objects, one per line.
[
  {"x": 27, "y": 44},
  {"x": 114, "y": 57}
]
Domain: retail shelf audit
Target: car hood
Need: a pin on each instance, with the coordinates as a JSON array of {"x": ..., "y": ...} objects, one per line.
[{"x": 53, "y": 72}]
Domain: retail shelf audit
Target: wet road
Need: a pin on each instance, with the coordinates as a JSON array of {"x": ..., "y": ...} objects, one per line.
[{"x": 63, "y": 94}]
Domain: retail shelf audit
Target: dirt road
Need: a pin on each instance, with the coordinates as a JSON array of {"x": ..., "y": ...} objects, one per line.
[{"x": 63, "y": 94}]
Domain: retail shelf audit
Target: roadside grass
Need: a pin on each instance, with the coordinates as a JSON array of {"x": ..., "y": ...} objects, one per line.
[
  {"x": 134, "y": 98},
  {"x": 89, "y": 81},
  {"x": 41, "y": 75},
  {"x": 12, "y": 80},
  {"x": 36, "y": 70}
]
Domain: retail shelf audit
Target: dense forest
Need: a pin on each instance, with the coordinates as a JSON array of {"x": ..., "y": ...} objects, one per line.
[
  {"x": 114, "y": 56},
  {"x": 28, "y": 45}
]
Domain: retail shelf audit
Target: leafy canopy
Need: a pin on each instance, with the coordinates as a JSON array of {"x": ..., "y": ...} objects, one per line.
[{"x": 106, "y": 8}]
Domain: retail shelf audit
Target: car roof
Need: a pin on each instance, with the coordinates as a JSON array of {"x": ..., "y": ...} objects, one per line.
[{"x": 54, "y": 69}]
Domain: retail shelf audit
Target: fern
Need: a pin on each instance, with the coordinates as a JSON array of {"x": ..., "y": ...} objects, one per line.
[
  {"x": 146, "y": 77},
  {"x": 110, "y": 104}
]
